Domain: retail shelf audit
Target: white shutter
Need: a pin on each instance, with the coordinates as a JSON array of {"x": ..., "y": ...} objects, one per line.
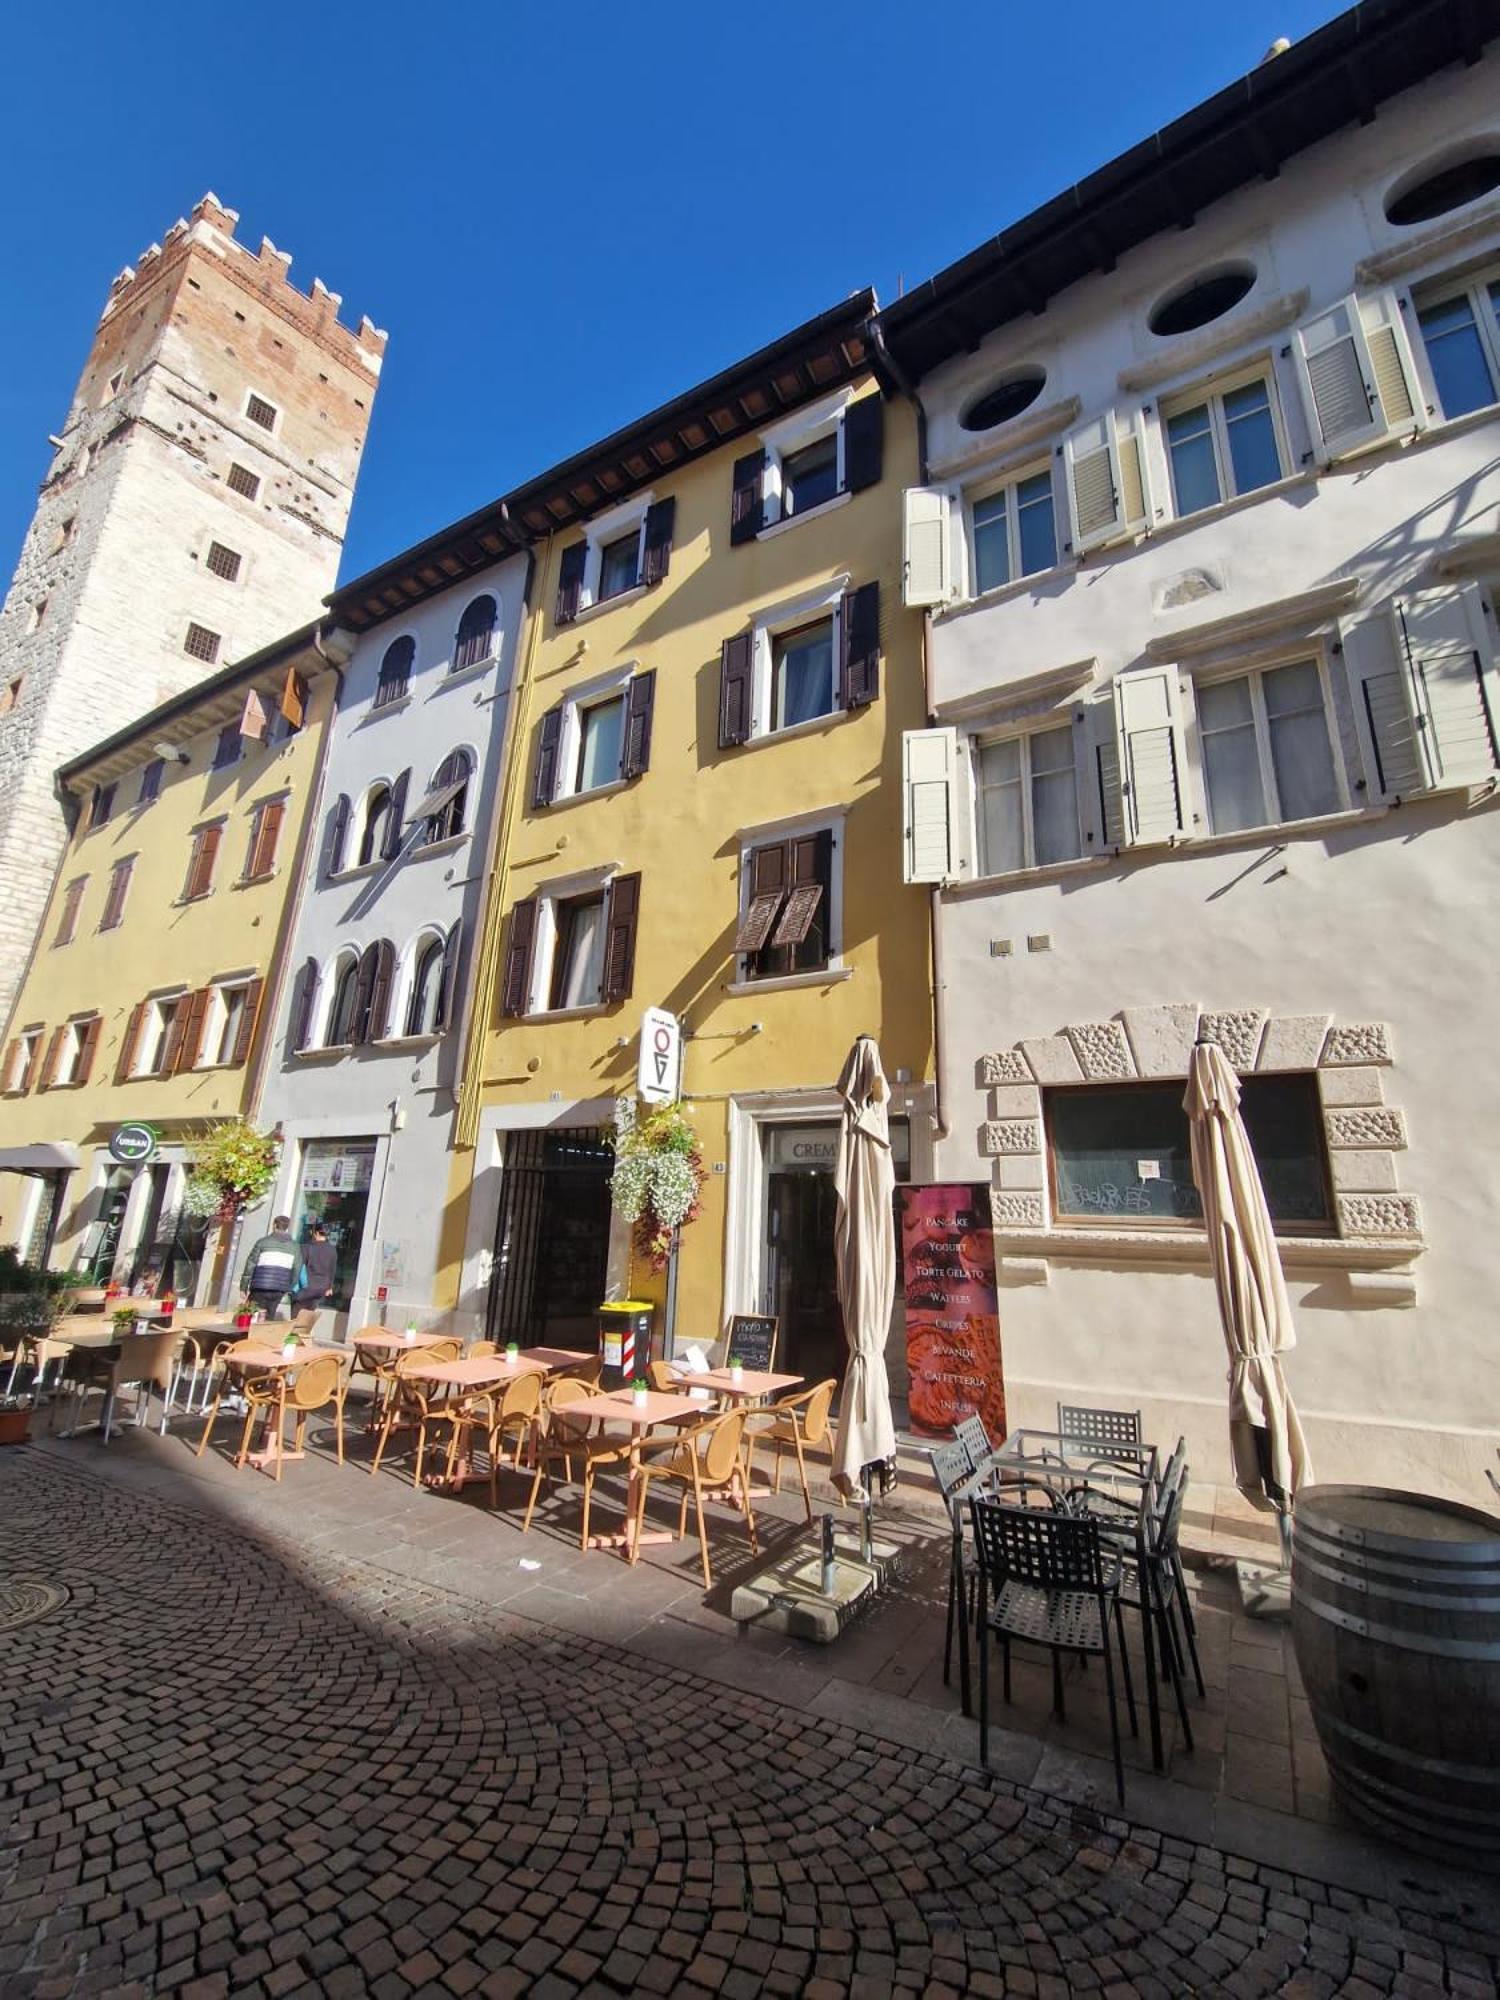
[
  {"x": 1141, "y": 761},
  {"x": 1108, "y": 490},
  {"x": 1355, "y": 368},
  {"x": 1401, "y": 405},
  {"x": 925, "y": 568},
  {"x": 1135, "y": 476},
  {"x": 1381, "y": 695},
  {"x": 929, "y": 777},
  {"x": 1450, "y": 673}
]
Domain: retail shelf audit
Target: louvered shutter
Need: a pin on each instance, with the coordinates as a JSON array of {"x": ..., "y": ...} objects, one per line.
[
  {"x": 34, "y": 1064},
  {"x": 736, "y": 683},
  {"x": 300, "y": 1018},
  {"x": 660, "y": 518},
  {"x": 929, "y": 778},
  {"x": 205, "y": 853},
  {"x": 515, "y": 990},
  {"x": 396, "y": 821},
  {"x": 745, "y": 508},
  {"x": 263, "y": 844},
  {"x": 129, "y": 1043},
  {"x": 49, "y": 1061},
  {"x": 249, "y": 1019},
  {"x": 88, "y": 1044},
  {"x": 544, "y": 775},
  {"x": 1108, "y": 491},
  {"x": 811, "y": 853},
  {"x": 338, "y": 835},
  {"x": 364, "y": 993},
  {"x": 570, "y": 582},
  {"x": 176, "y": 1035},
  {"x": 1423, "y": 683},
  {"x": 859, "y": 647},
  {"x": 1141, "y": 759},
  {"x": 638, "y": 708},
  {"x": 12, "y": 1060},
  {"x": 194, "y": 1010},
  {"x": 453, "y": 956},
  {"x": 621, "y": 916},
  {"x": 770, "y": 878},
  {"x": 864, "y": 441},
  {"x": 926, "y": 547},
  {"x": 377, "y": 1023},
  {"x": 1355, "y": 369}
]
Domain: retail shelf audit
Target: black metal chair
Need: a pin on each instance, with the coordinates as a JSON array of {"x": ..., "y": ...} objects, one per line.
[
  {"x": 953, "y": 1469},
  {"x": 1108, "y": 1433},
  {"x": 1049, "y": 1578},
  {"x": 975, "y": 1439},
  {"x": 1150, "y": 1585}
]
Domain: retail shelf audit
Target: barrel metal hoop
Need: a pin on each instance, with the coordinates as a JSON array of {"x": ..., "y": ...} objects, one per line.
[
  {"x": 1468, "y": 1775},
  {"x": 1391, "y": 1635},
  {"x": 1468, "y": 1600}
]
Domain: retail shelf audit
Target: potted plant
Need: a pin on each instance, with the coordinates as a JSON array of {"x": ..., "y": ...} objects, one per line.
[
  {"x": 244, "y": 1317},
  {"x": 639, "y": 1391},
  {"x": 736, "y": 1370},
  {"x": 123, "y": 1321},
  {"x": 512, "y": 1350},
  {"x": 15, "y": 1420},
  {"x": 657, "y": 1183}
]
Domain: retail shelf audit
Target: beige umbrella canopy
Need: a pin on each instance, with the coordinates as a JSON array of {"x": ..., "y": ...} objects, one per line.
[
  {"x": 864, "y": 1240},
  {"x": 1270, "y": 1454}
]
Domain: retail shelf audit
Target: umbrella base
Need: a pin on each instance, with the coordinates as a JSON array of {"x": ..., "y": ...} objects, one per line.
[
  {"x": 1265, "y": 1589},
  {"x": 788, "y": 1594}
]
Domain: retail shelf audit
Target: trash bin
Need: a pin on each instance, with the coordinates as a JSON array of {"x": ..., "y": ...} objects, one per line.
[{"x": 624, "y": 1342}]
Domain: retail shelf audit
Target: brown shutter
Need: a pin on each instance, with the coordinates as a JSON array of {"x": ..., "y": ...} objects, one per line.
[
  {"x": 338, "y": 835},
  {"x": 114, "y": 901},
  {"x": 34, "y": 1066},
  {"x": 812, "y": 871},
  {"x": 796, "y": 918},
  {"x": 544, "y": 778},
  {"x": 194, "y": 1011},
  {"x": 864, "y": 438},
  {"x": 638, "y": 707},
  {"x": 859, "y": 647},
  {"x": 176, "y": 1035},
  {"x": 660, "y": 520},
  {"x": 88, "y": 1044},
  {"x": 268, "y": 818},
  {"x": 201, "y": 867},
  {"x": 380, "y": 991},
  {"x": 770, "y": 877},
  {"x": 129, "y": 1042},
  {"x": 249, "y": 1019},
  {"x": 394, "y": 824},
  {"x": 516, "y": 986},
  {"x": 736, "y": 664},
  {"x": 49, "y": 1061},
  {"x": 453, "y": 954},
  {"x": 755, "y": 925},
  {"x": 621, "y": 911},
  {"x": 570, "y": 582},
  {"x": 67, "y": 923},
  {"x": 745, "y": 508},
  {"x": 12, "y": 1056},
  {"x": 299, "y": 1021},
  {"x": 364, "y": 993}
]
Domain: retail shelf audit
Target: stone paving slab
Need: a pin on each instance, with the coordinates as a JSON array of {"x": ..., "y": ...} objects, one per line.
[{"x": 242, "y": 1760}]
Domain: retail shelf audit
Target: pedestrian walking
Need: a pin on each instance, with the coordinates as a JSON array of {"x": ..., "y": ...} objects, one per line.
[
  {"x": 320, "y": 1260},
  {"x": 271, "y": 1268}
]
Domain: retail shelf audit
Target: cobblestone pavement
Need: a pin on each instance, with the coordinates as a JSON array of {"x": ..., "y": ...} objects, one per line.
[{"x": 228, "y": 1773}]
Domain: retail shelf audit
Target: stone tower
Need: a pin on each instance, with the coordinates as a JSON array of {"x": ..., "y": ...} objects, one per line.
[{"x": 194, "y": 511}]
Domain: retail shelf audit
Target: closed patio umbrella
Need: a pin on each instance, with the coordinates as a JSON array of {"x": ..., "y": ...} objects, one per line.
[
  {"x": 1270, "y": 1454},
  {"x": 864, "y": 1239}
]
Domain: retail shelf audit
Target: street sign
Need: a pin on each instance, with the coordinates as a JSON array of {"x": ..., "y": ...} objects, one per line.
[
  {"x": 132, "y": 1144},
  {"x": 658, "y": 1077}
]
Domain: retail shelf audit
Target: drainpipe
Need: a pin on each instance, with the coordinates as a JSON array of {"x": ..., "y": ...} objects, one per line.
[{"x": 936, "y": 983}]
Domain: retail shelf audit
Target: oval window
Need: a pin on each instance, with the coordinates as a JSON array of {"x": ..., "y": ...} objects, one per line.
[
  {"x": 1434, "y": 193},
  {"x": 1005, "y": 400},
  {"x": 1202, "y": 299}
]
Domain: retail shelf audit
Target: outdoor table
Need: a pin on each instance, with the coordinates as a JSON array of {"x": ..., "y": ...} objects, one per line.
[
  {"x": 619, "y": 1406},
  {"x": 476, "y": 1371},
  {"x": 379, "y": 1345},
  {"x": 268, "y": 1360},
  {"x": 557, "y": 1360},
  {"x": 754, "y": 1385},
  {"x": 41, "y": 1348}
]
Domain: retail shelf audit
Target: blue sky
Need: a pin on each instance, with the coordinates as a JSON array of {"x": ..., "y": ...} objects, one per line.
[{"x": 562, "y": 214}]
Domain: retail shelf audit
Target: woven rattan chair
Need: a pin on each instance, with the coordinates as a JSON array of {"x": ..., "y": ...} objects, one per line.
[
  {"x": 514, "y": 1418},
  {"x": 663, "y": 1376},
  {"x": 562, "y": 1439},
  {"x": 314, "y": 1386},
  {"x": 707, "y": 1460},
  {"x": 482, "y": 1350},
  {"x": 412, "y": 1403},
  {"x": 1107, "y": 1433},
  {"x": 798, "y": 1423},
  {"x": 1047, "y": 1577}
]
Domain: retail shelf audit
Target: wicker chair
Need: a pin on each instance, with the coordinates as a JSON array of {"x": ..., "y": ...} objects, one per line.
[
  {"x": 798, "y": 1422},
  {"x": 411, "y": 1404},
  {"x": 706, "y": 1460},
  {"x": 663, "y": 1376},
  {"x": 561, "y": 1438},
  {"x": 315, "y": 1386},
  {"x": 515, "y": 1416},
  {"x": 482, "y": 1350}
]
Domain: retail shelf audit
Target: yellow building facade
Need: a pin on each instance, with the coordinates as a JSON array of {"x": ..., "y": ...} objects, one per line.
[
  {"x": 703, "y": 815},
  {"x": 152, "y": 982}
]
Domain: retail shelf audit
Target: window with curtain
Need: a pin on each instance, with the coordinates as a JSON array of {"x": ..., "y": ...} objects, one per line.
[
  {"x": 1013, "y": 531},
  {"x": 1461, "y": 334},
  {"x": 425, "y": 1003},
  {"x": 802, "y": 674},
  {"x": 1222, "y": 445},
  {"x": 601, "y": 743},
  {"x": 578, "y": 957},
  {"x": 1028, "y": 801},
  {"x": 476, "y": 634},
  {"x": 1267, "y": 750},
  {"x": 619, "y": 565}
]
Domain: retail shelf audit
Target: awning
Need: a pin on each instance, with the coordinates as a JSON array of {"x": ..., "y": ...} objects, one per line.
[{"x": 45, "y": 1157}]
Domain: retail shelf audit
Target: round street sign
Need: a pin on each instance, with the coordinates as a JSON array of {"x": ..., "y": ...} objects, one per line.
[{"x": 131, "y": 1144}]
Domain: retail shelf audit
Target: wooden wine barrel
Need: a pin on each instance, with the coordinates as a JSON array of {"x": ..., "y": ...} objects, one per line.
[{"x": 1396, "y": 1622}]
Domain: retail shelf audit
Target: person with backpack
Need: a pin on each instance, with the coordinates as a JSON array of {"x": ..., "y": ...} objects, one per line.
[
  {"x": 315, "y": 1280},
  {"x": 271, "y": 1268}
]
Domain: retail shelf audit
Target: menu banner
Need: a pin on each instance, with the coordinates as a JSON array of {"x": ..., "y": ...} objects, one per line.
[{"x": 952, "y": 1309}]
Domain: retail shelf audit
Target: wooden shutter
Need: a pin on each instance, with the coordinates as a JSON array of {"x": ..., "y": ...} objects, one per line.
[
  {"x": 736, "y": 686},
  {"x": 67, "y": 923},
  {"x": 864, "y": 440},
  {"x": 338, "y": 835},
  {"x": 770, "y": 878},
  {"x": 544, "y": 776},
  {"x": 661, "y": 517},
  {"x": 638, "y": 707},
  {"x": 570, "y": 582},
  {"x": 1109, "y": 494},
  {"x": 34, "y": 1063},
  {"x": 745, "y": 507},
  {"x": 249, "y": 1021},
  {"x": 378, "y": 1023},
  {"x": 300, "y": 1019},
  {"x": 12, "y": 1058},
  {"x": 397, "y": 817},
  {"x": 176, "y": 1035},
  {"x": 453, "y": 954},
  {"x": 129, "y": 1042},
  {"x": 859, "y": 646},
  {"x": 268, "y": 818},
  {"x": 114, "y": 901},
  {"x": 515, "y": 989},
  {"x": 87, "y": 1045},
  {"x": 1355, "y": 370},
  {"x": 49, "y": 1061},
  {"x": 929, "y": 779},
  {"x": 1141, "y": 759},
  {"x": 797, "y": 915},
  {"x": 201, "y": 866},
  {"x": 621, "y": 913},
  {"x": 364, "y": 993},
  {"x": 926, "y": 547},
  {"x": 1423, "y": 683},
  {"x": 194, "y": 1010}
]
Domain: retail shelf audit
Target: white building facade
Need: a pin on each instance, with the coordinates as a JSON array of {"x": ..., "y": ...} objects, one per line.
[
  {"x": 368, "y": 1044},
  {"x": 1211, "y": 546}
]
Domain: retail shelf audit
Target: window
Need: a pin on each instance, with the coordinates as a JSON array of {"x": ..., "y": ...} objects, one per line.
[
  {"x": 1014, "y": 532},
  {"x": 101, "y": 805},
  {"x": 10, "y": 694},
  {"x": 67, "y": 923},
  {"x": 259, "y": 411},
  {"x": 375, "y": 842},
  {"x": 578, "y": 956},
  {"x": 243, "y": 481},
  {"x": 223, "y": 562},
  {"x": 233, "y": 1009},
  {"x": 1006, "y": 399},
  {"x": 802, "y": 674},
  {"x": 1028, "y": 802},
  {"x": 1202, "y": 300},
  {"x": 1119, "y": 1153},
  {"x": 619, "y": 566},
  {"x": 476, "y": 634},
  {"x": 395, "y": 672},
  {"x": 340, "y": 1030},
  {"x": 810, "y": 477},
  {"x": 787, "y": 921},
  {"x": 75, "y": 1051},
  {"x": 832, "y": 447},
  {"x": 798, "y": 664},
  {"x": 599, "y": 734},
  {"x": 1223, "y": 445},
  {"x": 1436, "y": 192},
  {"x": 265, "y": 831},
  {"x": 65, "y": 532},
  {"x": 164, "y": 1019},
  {"x": 151, "y": 776},
  {"x": 38, "y": 613},
  {"x": 25, "y": 1053},
  {"x": 114, "y": 900},
  {"x": 1461, "y": 333},
  {"x": 200, "y": 874},
  {"x": 629, "y": 546},
  {"x": 201, "y": 643},
  {"x": 424, "y": 1008},
  {"x": 227, "y": 747},
  {"x": 443, "y": 813},
  {"x": 1266, "y": 749},
  {"x": 601, "y": 740}
]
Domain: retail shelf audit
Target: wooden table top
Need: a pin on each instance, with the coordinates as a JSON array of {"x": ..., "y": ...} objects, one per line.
[
  {"x": 478, "y": 1371},
  {"x": 395, "y": 1343},
  {"x": 619, "y": 1406},
  {"x": 752, "y": 1382},
  {"x": 258, "y": 1354},
  {"x": 556, "y": 1357}
]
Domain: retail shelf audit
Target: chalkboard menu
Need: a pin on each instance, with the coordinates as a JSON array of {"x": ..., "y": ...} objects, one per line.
[{"x": 752, "y": 1340}]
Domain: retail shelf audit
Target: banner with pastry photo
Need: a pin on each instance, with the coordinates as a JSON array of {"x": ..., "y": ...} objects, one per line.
[{"x": 952, "y": 1309}]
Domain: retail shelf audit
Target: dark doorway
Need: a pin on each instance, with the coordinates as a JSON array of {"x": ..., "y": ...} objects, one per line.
[
  {"x": 551, "y": 1239},
  {"x": 799, "y": 1261},
  {"x": 113, "y": 1197}
]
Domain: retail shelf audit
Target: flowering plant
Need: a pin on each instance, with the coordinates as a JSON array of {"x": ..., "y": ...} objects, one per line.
[
  {"x": 658, "y": 1178},
  {"x": 233, "y": 1167}
]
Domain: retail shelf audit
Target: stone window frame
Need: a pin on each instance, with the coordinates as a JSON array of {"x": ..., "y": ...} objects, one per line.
[{"x": 1362, "y": 1132}]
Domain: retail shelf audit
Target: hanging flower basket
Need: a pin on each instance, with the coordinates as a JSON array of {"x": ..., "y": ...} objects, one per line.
[
  {"x": 657, "y": 1183},
  {"x": 233, "y": 1167}
]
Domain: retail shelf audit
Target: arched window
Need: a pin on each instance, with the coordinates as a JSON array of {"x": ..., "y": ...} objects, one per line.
[
  {"x": 446, "y": 807},
  {"x": 424, "y": 1008},
  {"x": 375, "y": 839},
  {"x": 476, "y": 634},
  {"x": 341, "y": 1009},
  {"x": 395, "y": 672}
]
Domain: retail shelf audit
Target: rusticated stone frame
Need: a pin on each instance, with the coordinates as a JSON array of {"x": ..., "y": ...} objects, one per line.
[{"x": 1364, "y": 1134}]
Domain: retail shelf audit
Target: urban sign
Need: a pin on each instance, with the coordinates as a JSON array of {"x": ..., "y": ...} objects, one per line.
[
  {"x": 659, "y": 1072},
  {"x": 132, "y": 1144}
]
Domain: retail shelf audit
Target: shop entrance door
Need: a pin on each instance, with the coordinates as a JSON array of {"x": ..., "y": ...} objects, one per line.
[
  {"x": 551, "y": 1239},
  {"x": 113, "y": 1197},
  {"x": 799, "y": 1261}
]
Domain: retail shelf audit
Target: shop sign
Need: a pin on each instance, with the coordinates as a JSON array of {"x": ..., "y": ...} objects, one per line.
[
  {"x": 952, "y": 1309},
  {"x": 658, "y": 1073},
  {"x": 790, "y": 1147},
  {"x": 131, "y": 1145},
  {"x": 337, "y": 1166}
]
